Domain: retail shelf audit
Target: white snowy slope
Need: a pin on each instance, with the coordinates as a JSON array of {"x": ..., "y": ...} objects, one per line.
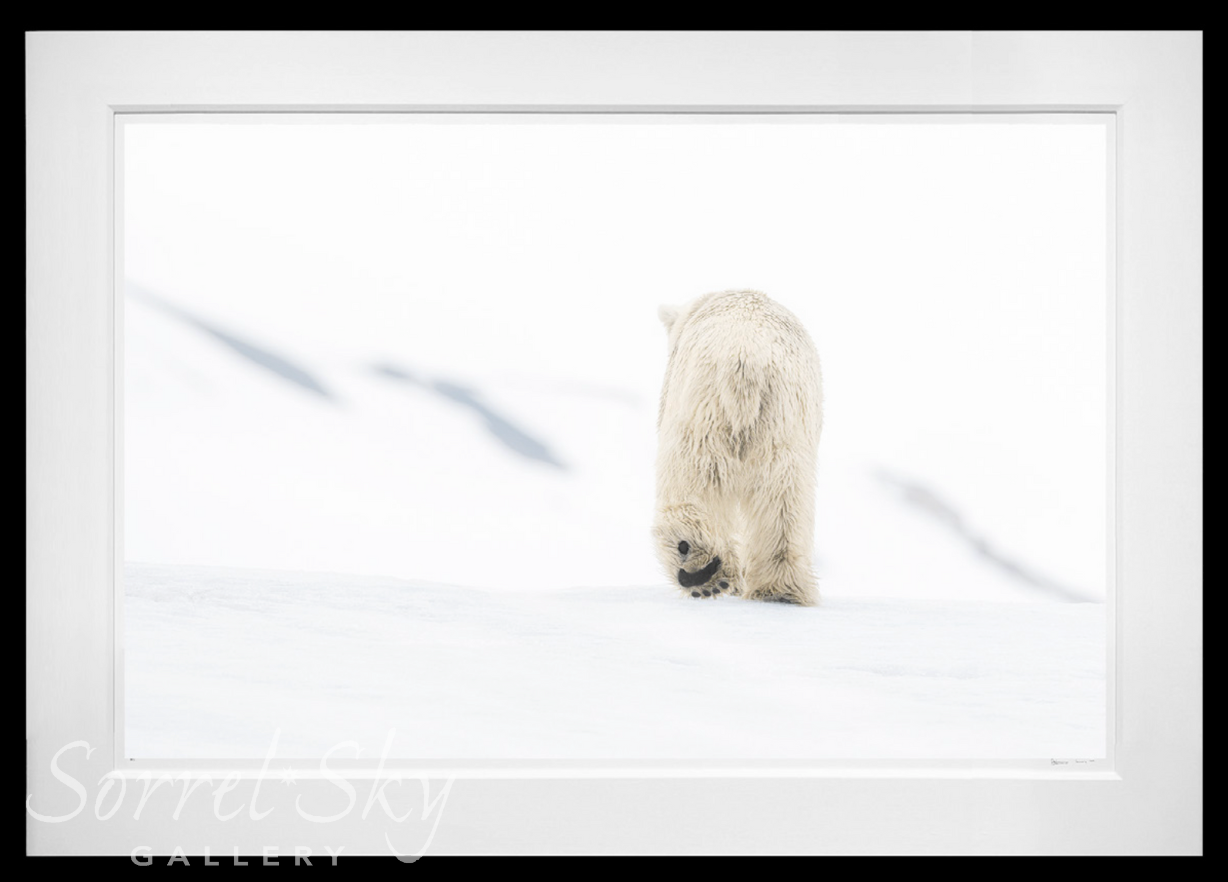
[
  {"x": 230, "y": 463},
  {"x": 246, "y": 490},
  {"x": 218, "y": 660}
]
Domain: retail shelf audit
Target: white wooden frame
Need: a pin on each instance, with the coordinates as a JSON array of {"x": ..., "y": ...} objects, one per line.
[{"x": 1148, "y": 799}]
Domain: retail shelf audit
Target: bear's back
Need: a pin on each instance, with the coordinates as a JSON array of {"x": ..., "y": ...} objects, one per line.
[{"x": 749, "y": 321}]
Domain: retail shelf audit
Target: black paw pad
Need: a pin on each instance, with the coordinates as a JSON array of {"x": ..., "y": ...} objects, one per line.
[
  {"x": 694, "y": 593},
  {"x": 684, "y": 548},
  {"x": 724, "y": 584},
  {"x": 700, "y": 577}
]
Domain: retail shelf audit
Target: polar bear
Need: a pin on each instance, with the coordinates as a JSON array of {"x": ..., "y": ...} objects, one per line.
[{"x": 738, "y": 434}]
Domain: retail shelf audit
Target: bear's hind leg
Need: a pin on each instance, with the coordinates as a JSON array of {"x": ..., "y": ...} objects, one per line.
[
  {"x": 726, "y": 527},
  {"x": 697, "y": 546},
  {"x": 779, "y": 536}
]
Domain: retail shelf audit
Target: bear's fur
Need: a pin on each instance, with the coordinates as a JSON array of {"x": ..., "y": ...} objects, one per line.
[{"x": 738, "y": 434}]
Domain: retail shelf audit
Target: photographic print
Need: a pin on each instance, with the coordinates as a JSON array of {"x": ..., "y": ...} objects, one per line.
[{"x": 693, "y": 437}]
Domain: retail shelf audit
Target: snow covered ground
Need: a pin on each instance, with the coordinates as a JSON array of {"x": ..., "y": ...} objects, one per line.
[
  {"x": 217, "y": 660},
  {"x": 389, "y": 403}
]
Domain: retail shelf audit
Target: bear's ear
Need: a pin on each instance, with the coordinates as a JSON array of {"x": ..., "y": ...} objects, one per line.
[{"x": 668, "y": 315}]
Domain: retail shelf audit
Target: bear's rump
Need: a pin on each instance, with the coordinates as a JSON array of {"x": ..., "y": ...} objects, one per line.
[{"x": 733, "y": 406}]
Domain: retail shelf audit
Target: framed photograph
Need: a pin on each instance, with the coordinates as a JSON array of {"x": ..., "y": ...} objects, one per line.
[{"x": 419, "y": 452}]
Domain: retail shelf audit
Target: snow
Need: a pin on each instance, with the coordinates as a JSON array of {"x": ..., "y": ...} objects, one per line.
[
  {"x": 389, "y": 402},
  {"x": 386, "y": 476},
  {"x": 219, "y": 659}
]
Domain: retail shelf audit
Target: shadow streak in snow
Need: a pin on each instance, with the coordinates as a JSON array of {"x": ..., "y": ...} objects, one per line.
[
  {"x": 940, "y": 510},
  {"x": 259, "y": 355},
  {"x": 512, "y": 436}
]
